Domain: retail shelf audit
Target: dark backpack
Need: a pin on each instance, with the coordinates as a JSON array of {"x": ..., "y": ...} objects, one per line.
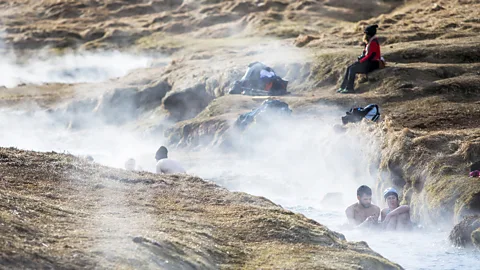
[{"x": 356, "y": 114}]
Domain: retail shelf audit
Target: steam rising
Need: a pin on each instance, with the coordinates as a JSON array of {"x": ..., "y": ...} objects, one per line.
[
  {"x": 295, "y": 161},
  {"x": 70, "y": 68}
]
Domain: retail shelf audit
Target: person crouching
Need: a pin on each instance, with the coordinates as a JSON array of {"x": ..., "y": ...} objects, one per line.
[{"x": 395, "y": 217}]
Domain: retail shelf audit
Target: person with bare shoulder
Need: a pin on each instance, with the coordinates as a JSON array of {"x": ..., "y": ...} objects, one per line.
[
  {"x": 363, "y": 214},
  {"x": 166, "y": 165},
  {"x": 395, "y": 217}
]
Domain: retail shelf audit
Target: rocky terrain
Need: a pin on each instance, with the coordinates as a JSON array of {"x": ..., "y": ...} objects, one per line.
[
  {"x": 465, "y": 233},
  {"x": 60, "y": 211},
  {"x": 169, "y": 25},
  {"x": 429, "y": 95}
]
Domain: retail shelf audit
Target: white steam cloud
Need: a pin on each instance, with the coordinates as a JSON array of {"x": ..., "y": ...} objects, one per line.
[
  {"x": 295, "y": 161},
  {"x": 69, "y": 68}
]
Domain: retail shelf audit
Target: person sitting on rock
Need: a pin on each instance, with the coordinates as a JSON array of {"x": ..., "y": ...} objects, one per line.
[
  {"x": 363, "y": 214},
  {"x": 395, "y": 217},
  {"x": 166, "y": 165},
  {"x": 367, "y": 62}
]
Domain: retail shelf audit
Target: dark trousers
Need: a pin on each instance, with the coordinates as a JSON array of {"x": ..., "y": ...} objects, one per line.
[{"x": 354, "y": 69}]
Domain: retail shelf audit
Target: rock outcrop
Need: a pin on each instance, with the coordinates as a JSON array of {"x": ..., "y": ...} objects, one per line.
[
  {"x": 465, "y": 233},
  {"x": 114, "y": 105},
  {"x": 432, "y": 170},
  {"x": 60, "y": 211},
  {"x": 476, "y": 238}
]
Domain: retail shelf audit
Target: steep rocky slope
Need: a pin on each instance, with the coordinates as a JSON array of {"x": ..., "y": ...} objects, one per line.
[
  {"x": 123, "y": 23},
  {"x": 60, "y": 211}
]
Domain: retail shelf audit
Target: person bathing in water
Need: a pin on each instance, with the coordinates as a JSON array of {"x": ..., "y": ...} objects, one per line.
[
  {"x": 363, "y": 214},
  {"x": 367, "y": 62},
  {"x": 166, "y": 165},
  {"x": 395, "y": 216},
  {"x": 130, "y": 165}
]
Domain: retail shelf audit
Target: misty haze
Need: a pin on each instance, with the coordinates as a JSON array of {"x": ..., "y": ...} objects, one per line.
[{"x": 90, "y": 91}]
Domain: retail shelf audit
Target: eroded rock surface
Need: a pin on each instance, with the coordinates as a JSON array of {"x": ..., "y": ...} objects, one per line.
[
  {"x": 464, "y": 233},
  {"x": 61, "y": 211},
  {"x": 476, "y": 238}
]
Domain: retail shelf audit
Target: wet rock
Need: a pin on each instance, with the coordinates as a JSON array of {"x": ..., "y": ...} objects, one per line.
[
  {"x": 476, "y": 238},
  {"x": 194, "y": 133},
  {"x": 152, "y": 94},
  {"x": 116, "y": 106},
  {"x": 187, "y": 103},
  {"x": 462, "y": 234}
]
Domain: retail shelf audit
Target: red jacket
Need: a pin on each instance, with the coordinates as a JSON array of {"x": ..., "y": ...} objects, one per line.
[{"x": 371, "y": 51}]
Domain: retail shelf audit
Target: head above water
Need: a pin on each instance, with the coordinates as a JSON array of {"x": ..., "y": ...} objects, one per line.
[
  {"x": 130, "y": 164},
  {"x": 390, "y": 191},
  {"x": 391, "y": 196},
  {"x": 364, "y": 196},
  {"x": 162, "y": 153}
]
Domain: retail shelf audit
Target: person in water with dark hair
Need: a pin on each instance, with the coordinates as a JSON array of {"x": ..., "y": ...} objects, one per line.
[
  {"x": 166, "y": 165},
  {"x": 363, "y": 214},
  {"x": 367, "y": 62}
]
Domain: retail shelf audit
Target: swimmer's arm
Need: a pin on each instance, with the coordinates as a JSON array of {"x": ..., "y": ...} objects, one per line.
[
  {"x": 377, "y": 214},
  {"x": 399, "y": 210},
  {"x": 383, "y": 215},
  {"x": 351, "y": 215},
  {"x": 369, "y": 221}
]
